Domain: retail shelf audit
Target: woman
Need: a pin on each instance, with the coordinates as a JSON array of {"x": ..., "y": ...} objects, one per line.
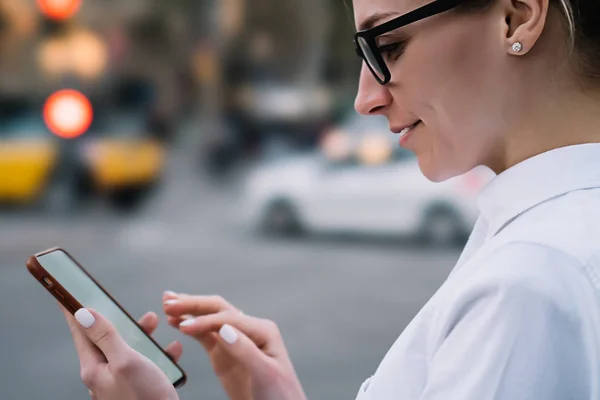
[{"x": 509, "y": 84}]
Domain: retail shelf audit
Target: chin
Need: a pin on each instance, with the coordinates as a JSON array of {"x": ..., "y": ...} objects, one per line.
[{"x": 436, "y": 171}]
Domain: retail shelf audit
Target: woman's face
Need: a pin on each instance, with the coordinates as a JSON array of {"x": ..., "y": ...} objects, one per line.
[{"x": 450, "y": 72}]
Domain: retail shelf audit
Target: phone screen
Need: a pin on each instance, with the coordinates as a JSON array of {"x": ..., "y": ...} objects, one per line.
[{"x": 65, "y": 271}]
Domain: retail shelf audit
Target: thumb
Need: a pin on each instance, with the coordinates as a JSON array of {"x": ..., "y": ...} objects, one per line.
[
  {"x": 102, "y": 333},
  {"x": 243, "y": 349}
]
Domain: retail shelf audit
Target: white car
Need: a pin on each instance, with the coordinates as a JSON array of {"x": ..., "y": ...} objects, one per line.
[{"x": 361, "y": 181}]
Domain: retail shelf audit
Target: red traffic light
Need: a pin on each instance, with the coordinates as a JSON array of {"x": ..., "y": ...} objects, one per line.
[
  {"x": 68, "y": 114},
  {"x": 59, "y": 9}
]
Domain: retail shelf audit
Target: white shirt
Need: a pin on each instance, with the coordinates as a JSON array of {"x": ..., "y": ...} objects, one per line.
[{"x": 519, "y": 316}]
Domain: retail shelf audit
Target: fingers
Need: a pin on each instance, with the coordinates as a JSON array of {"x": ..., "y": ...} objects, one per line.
[
  {"x": 89, "y": 355},
  {"x": 174, "y": 350},
  {"x": 244, "y": 350},
  {"x": 169, "y": 294},
  {"x": 263, "y": 333},
  {"x": 175, "y": 321},
  {"x": 195, "y": 305},
  {"x": 182, "y": 307},
  {"x": 149, "y": 322},
  {"x": 103, "y": 334}
]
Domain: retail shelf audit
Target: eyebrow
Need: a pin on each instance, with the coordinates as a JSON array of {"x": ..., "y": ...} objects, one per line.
[{"x": 373, "y": 19}]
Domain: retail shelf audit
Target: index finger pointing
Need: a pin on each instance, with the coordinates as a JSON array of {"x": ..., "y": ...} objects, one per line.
[{"x": 196, "y": 305}]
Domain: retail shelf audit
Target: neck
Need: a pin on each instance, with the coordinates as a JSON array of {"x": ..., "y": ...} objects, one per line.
[{"x": 568, "y": 119}]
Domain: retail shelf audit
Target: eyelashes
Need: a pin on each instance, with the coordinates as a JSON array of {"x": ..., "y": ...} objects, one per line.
[{"x": 392, "y": 51}]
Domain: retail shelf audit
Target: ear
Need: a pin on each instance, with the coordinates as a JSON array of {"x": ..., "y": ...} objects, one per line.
[{"x": 524, "y": 23}]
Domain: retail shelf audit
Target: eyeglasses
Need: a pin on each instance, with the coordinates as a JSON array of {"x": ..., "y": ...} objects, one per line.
[{"x": 366, "y": 41}]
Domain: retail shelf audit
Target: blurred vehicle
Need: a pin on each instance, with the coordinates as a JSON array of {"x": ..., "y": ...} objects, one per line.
[
  {"x": 360, "y": 181},
  {"x": 123, "y": 160},
  {"x": 277, "y": 104},
  {"x": 260, "y": 113},
  {"x": 28, "y": 154},
  {"x": 115, "y": 160}
]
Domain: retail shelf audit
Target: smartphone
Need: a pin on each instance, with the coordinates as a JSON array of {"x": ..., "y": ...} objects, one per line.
[{"x": 75, "y": 288}]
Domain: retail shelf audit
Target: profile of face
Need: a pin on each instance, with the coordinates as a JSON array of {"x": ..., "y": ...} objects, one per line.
[{"x": 453, "y": 72}]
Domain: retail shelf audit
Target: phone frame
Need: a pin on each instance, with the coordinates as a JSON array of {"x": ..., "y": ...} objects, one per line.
[{"x": 72, "y": 305}]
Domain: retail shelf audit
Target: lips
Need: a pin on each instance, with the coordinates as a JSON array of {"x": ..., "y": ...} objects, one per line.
[{"x": 405, "y": 129}]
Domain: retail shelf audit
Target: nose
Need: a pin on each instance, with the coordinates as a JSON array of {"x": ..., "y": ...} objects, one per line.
[{"x": 372, "y": 98}]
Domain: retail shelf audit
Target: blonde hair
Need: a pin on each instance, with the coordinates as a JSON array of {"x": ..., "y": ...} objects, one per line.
[{"x": 567, "y": 9}]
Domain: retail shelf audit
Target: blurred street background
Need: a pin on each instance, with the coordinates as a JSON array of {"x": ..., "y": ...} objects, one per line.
[{"x": 210, "y": 147}]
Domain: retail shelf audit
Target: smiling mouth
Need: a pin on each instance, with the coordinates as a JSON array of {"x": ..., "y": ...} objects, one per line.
[{"x": 404, "y": 131}]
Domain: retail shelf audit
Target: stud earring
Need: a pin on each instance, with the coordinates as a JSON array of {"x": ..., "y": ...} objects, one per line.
[{"x": 517, "y": 47}]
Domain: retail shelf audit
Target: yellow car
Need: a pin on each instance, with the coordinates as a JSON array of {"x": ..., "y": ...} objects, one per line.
[{"x": 116, "y": 159}]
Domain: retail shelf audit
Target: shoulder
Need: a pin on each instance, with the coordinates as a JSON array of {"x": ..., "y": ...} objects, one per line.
[
  {"x": 517, "y": 275},
  {"x": 515, "y": 323}
]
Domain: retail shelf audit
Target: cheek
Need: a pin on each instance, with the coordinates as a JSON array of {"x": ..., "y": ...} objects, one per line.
[
  {"x": 450, "y": 72},
  {"x": 453, "y": 69}
]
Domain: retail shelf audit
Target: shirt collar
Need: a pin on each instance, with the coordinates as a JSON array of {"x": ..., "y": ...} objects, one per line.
[{"x": 538, "y": 179}]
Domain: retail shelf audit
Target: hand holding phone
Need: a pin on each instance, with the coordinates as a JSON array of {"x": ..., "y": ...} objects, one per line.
[
  {"x": 119, "y": 360},
  {"x": 110, "y": 368}
]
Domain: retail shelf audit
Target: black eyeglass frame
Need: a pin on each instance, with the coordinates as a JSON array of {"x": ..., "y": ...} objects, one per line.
[{"x": 370, "y": 35}]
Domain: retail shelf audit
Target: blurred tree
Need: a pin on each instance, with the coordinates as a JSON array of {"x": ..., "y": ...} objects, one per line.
[
  {"x": 150, "y": 34},
  {"x": 149, "y": 72},
  {"x": 342, "y": 66},
  {"x": 17, "y": 22},
  {"x": 4, "y": 23}
]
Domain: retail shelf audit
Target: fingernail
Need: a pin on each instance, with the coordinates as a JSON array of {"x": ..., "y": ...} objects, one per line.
[
  {"x": 171, "y": 302},
  {"x": 228, "y": 334},
  {"x": 170, "y": 293},
  {"x": 188, "y": 322},
  {"x": 85, "y": 318}
]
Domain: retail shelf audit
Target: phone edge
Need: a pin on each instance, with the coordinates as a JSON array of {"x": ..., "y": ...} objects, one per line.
[{"x": 35, "y": 268}]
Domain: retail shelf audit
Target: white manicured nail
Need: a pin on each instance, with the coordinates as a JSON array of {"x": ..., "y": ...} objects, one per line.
[
  {"x": 170, "y": 293},
  {"x": 228, "y": 334},
  {"x": 85, "y": 318},
  {"x": 171, "y": 302},
  {"x": 188, "y": 322}
]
